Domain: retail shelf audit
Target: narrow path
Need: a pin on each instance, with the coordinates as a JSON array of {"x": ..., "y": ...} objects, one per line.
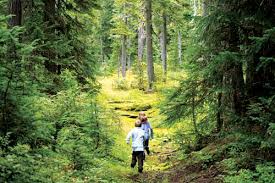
[
  {"x": 126, "y": 104},
  {"x": 164, "y": 165}
]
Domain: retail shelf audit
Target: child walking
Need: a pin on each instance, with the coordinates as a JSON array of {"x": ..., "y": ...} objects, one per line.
[
  {"x": 145, "y": 125},
  {"x": 137, "y": 135}
]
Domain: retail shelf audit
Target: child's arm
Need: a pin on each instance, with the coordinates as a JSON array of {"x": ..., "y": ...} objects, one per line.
[{"x": 128, "y": 137}]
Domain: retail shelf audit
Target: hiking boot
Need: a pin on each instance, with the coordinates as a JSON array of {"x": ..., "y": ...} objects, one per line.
[{"x": 139, "y": 170}]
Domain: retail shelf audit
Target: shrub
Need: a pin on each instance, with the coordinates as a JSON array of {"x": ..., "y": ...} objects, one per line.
[
  {"x": 120, "y": 84},
  {"x": 264, "y": 173}
]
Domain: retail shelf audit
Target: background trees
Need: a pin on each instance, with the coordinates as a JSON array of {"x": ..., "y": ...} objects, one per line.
[
  {"x": 166, "y": 32},
  {"x": 51, "y": 52}
]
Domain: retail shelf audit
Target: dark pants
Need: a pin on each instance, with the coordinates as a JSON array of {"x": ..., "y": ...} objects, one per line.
[
  {"x": 146, "y": 146},
  {"x": 138, "y": 156}
]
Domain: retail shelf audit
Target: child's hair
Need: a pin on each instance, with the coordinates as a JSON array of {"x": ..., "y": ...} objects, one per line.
[
  {"x": 142, "y": 113},
  {"x": 138, "y": 123}
]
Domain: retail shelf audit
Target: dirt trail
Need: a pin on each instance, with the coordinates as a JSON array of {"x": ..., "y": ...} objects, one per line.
[{"x": 162, "y": 165}]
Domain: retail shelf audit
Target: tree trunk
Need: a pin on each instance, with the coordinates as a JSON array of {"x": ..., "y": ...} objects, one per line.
[
  {"x": 179, "y": 47},
  {"x": 150, "y": 64},
  {"x": 123, "y": 56},
  {"x": 129, "y": 57},
  {"x": 195, "y": 7},
  {"x": 163, "y": 45},
  {"x": 15, "y": 9},
  {"x": 124, "y": 48},
  {"x": 238, "y": 89},
  {"x": 119, "y": 63},
  {"x": 141, "y": 45},
  {"x": 219, "y": 116},
  {"x": 141, "y": 41}
]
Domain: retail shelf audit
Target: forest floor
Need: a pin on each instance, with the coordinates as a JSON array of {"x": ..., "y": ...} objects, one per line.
[{"x": 163, "y": 164}]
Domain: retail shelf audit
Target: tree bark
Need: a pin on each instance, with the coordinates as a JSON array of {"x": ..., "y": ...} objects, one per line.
[
  {"x": 119, "y": 62},
  {"x": 129, "y": 56},
  {"x": 141, "y": 45},
  {"x": 163, "y": 45},
  {"x": 123, "y": 56},
  {"x": 195, "y": 7},
  {"x": 15, "y": 9},
  {"x": 141, "y": 41},
  {"x": 124, "y": 48},
  {"x": 219, "y": 115},
  {"x": 238, "y": 89},
  {"x": 150, "y": 64}
]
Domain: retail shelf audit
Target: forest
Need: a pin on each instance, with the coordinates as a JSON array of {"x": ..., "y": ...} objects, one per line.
[{"x": 75, "y": 74}]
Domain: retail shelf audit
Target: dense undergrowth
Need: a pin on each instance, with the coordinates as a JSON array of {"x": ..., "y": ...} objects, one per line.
[{"x": 69, "y": 141}]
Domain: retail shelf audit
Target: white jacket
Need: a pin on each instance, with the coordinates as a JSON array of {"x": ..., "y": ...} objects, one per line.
[{"x": 137, "y": 135}]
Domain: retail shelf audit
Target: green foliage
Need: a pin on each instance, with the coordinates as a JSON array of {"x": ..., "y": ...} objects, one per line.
[
  {"x": 270, "y": 141},
  {"x": 263, "y": 173},
  {"x": 15, "y": 84},
  {"x": 184, "y": 140},
  {"x": 203, "y": 158},
  {"x": 230, "y": 166},
  {"x": 54, "y": 129},
  {"x": 120, "y": 84},
  {"x": 68, "y": 124},
  {"x": 140, "y": 80}
]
